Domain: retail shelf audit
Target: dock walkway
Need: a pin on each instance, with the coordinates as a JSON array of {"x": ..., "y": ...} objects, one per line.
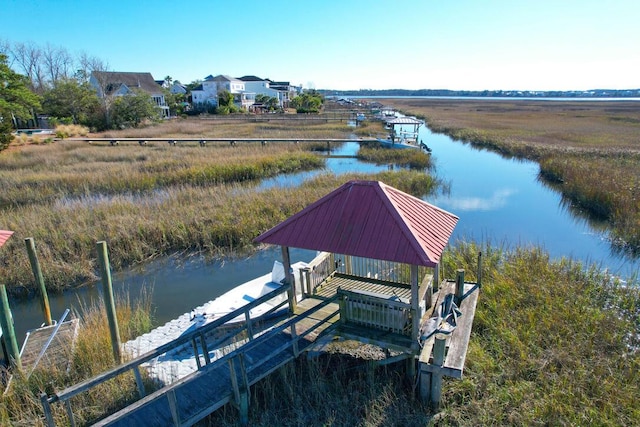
[
  {"x": 203, "y": 141},
  {"x": 228, "y": 378}
]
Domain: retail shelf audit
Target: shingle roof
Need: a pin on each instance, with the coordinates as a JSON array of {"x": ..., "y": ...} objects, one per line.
[
  {"x": 4, "y": 236},
  {"x": 368, "y": 219},
  {"x": 251, "y": 79},
  {"x": 114, "y": 79}
]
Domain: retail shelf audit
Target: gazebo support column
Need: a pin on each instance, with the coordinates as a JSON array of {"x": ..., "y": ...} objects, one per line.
[
  {"x": 415, "y": 306},
  {"x": 415, "y": 320},
  {"x": 289, "y": 279}
]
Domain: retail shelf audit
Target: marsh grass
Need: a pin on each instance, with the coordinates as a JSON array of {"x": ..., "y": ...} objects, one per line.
[
  {"x": 21, "y": 405},
  {"x": 202, "y": 128},
  {"x": 589, "y": 151},
  {"x": 139, "y": 225},
  {"x": 412, "y": 158},
  {"x": 553, "y": 342}
]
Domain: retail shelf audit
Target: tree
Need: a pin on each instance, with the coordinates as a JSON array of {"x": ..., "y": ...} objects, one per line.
[
  {"x": 71, "y": 100},
  {"x": 308, "y": 102},
  {"x": 269, "y": 102},
  {"x": 16, "y": 100},
  {"x": 133, "y": 109},
  {"x": 225, "y": 103},
  {"x": 28, "y": 58}
]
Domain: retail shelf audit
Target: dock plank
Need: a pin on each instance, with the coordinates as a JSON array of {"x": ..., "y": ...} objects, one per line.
[
  {"x": 200, "y": 393},
  {"x": 458, "y": 342}
]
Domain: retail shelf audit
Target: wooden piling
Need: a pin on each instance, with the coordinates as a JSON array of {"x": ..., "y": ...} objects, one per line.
[
  {"x": 436, "y": 376},
  {"x": 48, "y": 414},
  {"x": 107, "y": 290},
  {"x": 479, "y": 269},
  {"x": 289, "y": 279},
  {"x": 37, "y": 273},
  {"x": 8, "y": 333},
  {"x": 459, "y": 286}
]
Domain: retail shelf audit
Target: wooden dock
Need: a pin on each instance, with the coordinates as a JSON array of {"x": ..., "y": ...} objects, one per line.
[
  {"x": 365, "y": 309},
  {"x": 228, "y": 378},
  {"x": 202, "y": 141}
]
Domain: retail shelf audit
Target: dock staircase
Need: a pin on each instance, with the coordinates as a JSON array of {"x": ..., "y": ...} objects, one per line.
[{"x": 218, "y": 380}]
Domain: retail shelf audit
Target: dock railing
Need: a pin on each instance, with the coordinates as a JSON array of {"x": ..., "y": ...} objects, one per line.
[
  {"x": 198, "y": 340},
  {"x": 318, "y": 270},
  {"x": 389, "y": 271},
  {"x": 375, "y": 311}
]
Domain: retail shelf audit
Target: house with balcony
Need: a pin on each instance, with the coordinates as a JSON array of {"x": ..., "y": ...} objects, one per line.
[
  {"x": 282, "y": 91},
  {"x": 207, "y": 93},
  {"x": 119, "y": 83}
]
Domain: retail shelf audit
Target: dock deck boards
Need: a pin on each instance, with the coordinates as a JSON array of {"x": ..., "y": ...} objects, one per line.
[
  {"x": 329, "y": 287},
  {"x": 458, "y": 343},
  {"x": 195, "y": 396}
]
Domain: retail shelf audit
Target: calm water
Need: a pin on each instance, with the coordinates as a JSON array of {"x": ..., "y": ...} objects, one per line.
[{"x": 498, "y": 200}]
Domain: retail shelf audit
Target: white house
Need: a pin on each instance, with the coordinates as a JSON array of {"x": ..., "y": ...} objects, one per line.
[
  {"x": 261, "y": 87},
  {"x": 283, "y": 91},
  {"x": 211, "y": 86},
  {"x": 118, "y": 83}
]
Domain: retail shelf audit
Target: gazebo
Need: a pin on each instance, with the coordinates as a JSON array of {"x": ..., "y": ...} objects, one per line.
[{"x": 379, "y": 249}]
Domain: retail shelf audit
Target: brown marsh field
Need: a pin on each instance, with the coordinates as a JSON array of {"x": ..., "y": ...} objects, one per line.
[
  {"x": 554, "y": 342},
  {"x": 588, "y": 150}
]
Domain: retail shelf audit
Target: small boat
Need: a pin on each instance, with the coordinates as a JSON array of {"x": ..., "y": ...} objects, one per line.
[
  {"x": 248, "y": 292},
  {"x": 397, "y": 143},
  {"x": 226, "y": 303}
]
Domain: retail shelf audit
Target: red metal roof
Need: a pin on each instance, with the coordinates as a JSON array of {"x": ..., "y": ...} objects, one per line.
[
  {"x": 4, "y": 236},
  {"x": 368, "y": 219}
]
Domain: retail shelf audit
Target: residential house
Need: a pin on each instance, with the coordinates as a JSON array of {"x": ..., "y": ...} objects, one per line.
[
  {"x": 178, "y": 88},
  {"x": 283, "y": 91},
  {"x": 211, "y": 86},
  {"x": 118, "y": 83},
  {"x": 260, "y": 86},
  {"x": 287, "y": 90}
]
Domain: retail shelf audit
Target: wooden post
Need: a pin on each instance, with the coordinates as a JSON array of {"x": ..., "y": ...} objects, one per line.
[
  {"x": 348, "y": 265},
  {"x": 459, "y": 286},
  {"x": 46, "y": 407},
  {"x": 107, "y": 290},
  {"x": 415, "y": 309},
  {"x": 289, "y": 279},
  {"x": 436, "y": 277},
  {"x": 37, "y": 273},
  {"x": 8, "y": 333},
  {"x": 436, "y": 376},
  {"x": 139, "y": 383},
  {"x": 479, "y": 269}
]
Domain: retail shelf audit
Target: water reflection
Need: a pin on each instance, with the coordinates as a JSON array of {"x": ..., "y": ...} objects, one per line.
[
  {"x": 497, "y": 200},
  {"x": 502, "y": 199}
]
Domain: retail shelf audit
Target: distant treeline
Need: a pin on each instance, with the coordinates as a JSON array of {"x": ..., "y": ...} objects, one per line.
[{"x": 595, "y": 93}]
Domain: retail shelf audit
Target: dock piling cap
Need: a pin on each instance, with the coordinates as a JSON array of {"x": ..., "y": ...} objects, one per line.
[{"x": 4, "y": 236}]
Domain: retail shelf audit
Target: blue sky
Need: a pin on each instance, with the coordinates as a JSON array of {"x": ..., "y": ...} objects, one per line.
[{"x": 350, "y": 44}]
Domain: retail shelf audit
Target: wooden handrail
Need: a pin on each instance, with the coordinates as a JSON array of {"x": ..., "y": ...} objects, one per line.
[{"x": 73, "y": 390}]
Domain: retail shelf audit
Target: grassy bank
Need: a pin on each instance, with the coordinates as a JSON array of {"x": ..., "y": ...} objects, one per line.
[
  {"x": 589, "y": 150},
  {"x": 414, "y": 159},
  {"x": 20, "y": 404}
]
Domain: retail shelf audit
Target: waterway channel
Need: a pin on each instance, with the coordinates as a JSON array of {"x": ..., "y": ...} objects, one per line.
[{"x": 498, "y": 200}]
